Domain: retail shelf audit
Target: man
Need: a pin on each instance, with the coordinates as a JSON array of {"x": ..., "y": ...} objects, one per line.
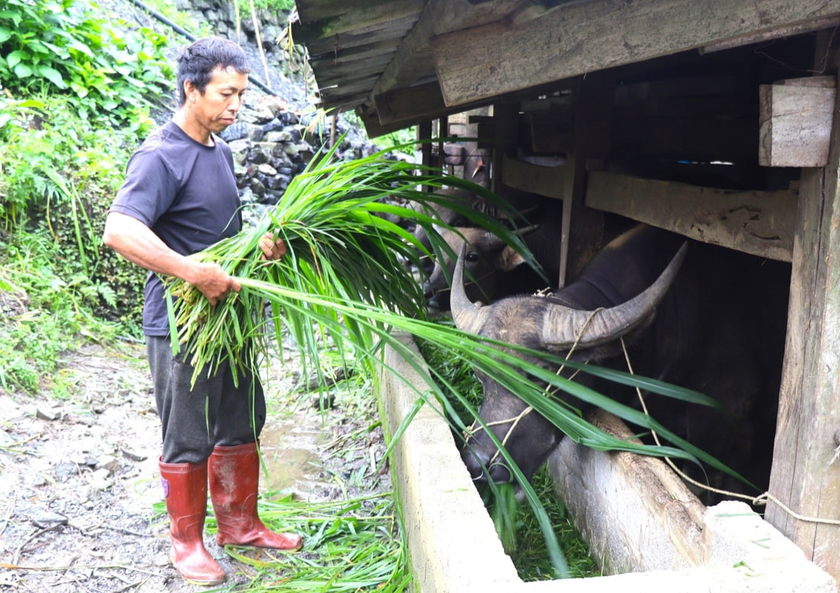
[{"x": 180, "y": 196}]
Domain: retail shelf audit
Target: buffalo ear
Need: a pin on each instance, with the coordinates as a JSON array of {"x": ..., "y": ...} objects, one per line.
[{"x": 509, "y": 259}]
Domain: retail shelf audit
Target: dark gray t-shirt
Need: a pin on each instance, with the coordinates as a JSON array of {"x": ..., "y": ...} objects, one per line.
[{"x": 186, "y": 193}]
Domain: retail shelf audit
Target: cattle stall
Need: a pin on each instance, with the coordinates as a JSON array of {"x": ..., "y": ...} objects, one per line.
[{"x": 714, "y": 119}]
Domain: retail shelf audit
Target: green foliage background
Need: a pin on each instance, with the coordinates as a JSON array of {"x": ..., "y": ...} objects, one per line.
[{"x": 78, "y": 90}]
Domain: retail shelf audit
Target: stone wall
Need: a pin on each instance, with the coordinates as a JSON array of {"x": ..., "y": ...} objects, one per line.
[
  {"x": 220, "y": 15},
  {"x": 274, "y": 137}
]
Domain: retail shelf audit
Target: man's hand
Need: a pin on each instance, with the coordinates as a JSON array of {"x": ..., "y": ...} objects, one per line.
[
  {"x": 272, "y": 248},
  {"x": 213, "y": 282}
]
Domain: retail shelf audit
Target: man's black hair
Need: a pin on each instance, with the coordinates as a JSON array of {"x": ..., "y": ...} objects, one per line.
[{"x": 198, "y": 60}]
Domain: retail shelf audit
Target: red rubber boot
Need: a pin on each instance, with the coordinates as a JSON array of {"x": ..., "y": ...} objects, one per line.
[
  {"x": 185, "y": 488},
  {"x": 234, "y": 481}
]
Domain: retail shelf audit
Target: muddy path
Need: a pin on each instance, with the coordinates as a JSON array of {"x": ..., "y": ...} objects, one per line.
[{"x": 79, "y": 478}]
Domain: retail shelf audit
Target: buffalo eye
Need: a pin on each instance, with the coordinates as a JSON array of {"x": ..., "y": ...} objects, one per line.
[{"x": 472, "y": 257}]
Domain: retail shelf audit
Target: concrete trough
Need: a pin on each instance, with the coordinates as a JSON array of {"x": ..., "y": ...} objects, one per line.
[{"x": 635, "y": 514}]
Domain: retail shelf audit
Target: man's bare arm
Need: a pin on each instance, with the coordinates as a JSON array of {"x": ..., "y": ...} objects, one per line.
[{"x": 137, "y": 243}]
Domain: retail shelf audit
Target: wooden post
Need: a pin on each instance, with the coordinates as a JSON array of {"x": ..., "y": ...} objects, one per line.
[
  {"x": 506, "y": 137},
  {"x": 583, "y": 227},
  {"x": 806, "y": 473},
  {"x": 424, "y": 135}
]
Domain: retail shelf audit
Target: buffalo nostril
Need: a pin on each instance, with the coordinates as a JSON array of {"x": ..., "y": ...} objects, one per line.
[
  {"x": 475, "y": 464},
  {"x": 500, "y": 473}
]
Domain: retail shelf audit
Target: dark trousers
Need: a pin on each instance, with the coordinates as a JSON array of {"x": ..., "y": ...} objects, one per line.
[{"x": 213, "y": 412}]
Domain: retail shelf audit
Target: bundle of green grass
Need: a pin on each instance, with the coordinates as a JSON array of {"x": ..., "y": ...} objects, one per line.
[{"x": 343, "y": 249}]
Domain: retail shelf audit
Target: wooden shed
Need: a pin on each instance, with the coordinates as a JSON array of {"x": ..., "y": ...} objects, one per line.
[{"x": 711, "y": 118}]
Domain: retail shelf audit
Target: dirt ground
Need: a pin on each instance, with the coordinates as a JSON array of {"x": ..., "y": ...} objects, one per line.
[{"x": 78, "y": 475}]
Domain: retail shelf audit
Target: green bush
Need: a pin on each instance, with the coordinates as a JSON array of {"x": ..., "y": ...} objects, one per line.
[
  {"x": 58, "y": 312},
  {"x": 58, "y": 176},
  {"x": 78, "y": 87},
  {"x": 64, "y": 46},
  {"x": 276, "y": 6}
]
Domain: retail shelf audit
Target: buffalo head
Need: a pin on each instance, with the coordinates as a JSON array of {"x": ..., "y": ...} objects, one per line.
[
  {"x": 485, "y": 257},
  {"x": 574, "y": 324}
]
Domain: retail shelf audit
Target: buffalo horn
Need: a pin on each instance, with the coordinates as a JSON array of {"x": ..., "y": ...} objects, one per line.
[
  {"x": 563, "y": 327},
  {"x": 468, "y": 317}
]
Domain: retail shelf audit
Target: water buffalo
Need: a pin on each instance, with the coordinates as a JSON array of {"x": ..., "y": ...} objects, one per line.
[
  {"x": 493, "y": 269},
  {"x": 716, "y": 324}
]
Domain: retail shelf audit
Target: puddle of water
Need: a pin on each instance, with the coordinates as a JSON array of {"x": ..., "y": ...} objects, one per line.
[{"x": 290, "y": 449}]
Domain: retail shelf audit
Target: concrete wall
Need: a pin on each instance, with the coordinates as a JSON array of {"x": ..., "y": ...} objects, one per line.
[{"x": 632, "y": 510}]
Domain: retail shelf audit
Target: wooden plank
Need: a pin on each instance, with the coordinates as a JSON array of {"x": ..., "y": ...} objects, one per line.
[
  {"x": 414, "y": 59},
  {"x": 332, "y": 73},
  {"x": 487, "y": 61},
  {"x": 545, "y": 181},
  {"x": 413, "y": 104},
  {"x": 795, "y": 122},
  {"x": 393, "y": 32},
  {"x": 347, "y": 92},
  {"x": 357, "y": 19},
  {"x": 806, "y": 473},
  {"x": 756, "y": 222},
  {"x": 315, "y": 10},
  {"x": 352, "y": 54}
]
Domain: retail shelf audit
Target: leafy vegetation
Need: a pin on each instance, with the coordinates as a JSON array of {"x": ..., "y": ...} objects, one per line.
[
  {"x": 333, "y": 219},
  {"x": 276, "y": 6},
  {"x": 62, "y": 46},
  {"x": 530, "y": 554},
  {"x": 78, "y": 90},
  {"x": 59, "y": 311}
]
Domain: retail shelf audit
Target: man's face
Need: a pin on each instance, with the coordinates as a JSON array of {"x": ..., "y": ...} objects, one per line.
[{"x": 216, "y": 109}]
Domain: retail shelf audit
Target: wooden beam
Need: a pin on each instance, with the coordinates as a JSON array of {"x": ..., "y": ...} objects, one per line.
[
  {"x": 795, "y": 122},
  {"x": 806, "y": 472},
  {"x": 544, "y": 181},
  {"x": 422, "y": 102},
  {"x": 756, "y": 222},
  {"x": 826, "y": 23},
  {"x": 494, "y": 59},
  {"x": 375, "y": 129}
]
